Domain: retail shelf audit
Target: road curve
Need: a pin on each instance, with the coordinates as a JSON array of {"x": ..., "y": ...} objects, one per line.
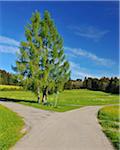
[{"x": 73, "y": 130}]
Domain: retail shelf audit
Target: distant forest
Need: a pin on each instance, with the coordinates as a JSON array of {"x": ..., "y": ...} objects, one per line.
[
  {"x": 109, "y": 85},
  {"x": 105, "y": 84},
  {"x": 6, "y": 78}
]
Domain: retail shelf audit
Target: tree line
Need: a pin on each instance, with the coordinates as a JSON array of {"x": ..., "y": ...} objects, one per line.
[
  {"x": 7, "y": 78},
  {"x": 105, "y": 84}
]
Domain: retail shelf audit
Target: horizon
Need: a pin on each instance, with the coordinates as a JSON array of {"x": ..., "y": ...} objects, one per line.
[
  {"x": 82, "y": 79},
  {"x": 91, "y": 42}
]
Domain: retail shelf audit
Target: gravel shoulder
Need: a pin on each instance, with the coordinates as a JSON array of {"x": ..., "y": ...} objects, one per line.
[{"x": 73, "y": 130}]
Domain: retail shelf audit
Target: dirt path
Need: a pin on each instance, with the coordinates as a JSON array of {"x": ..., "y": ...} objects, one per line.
[{"x": 72, "y": 130}]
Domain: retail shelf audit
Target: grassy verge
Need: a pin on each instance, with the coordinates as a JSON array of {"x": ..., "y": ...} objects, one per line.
[
  {"x": 67, "y": 100},
  {"x": 10, "y": 126},
  {"x": 10, "y": 88},
  {"x": 110, "y": 121}
]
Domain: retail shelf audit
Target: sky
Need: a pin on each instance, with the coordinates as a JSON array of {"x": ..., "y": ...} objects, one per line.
[{"x": 90, "y": 30}]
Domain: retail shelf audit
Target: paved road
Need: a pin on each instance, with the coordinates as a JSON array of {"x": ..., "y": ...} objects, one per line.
[{"x": 72, "y": 130}]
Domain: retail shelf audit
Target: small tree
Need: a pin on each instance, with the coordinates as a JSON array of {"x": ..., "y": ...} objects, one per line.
[{"x": 41, "y": 65}]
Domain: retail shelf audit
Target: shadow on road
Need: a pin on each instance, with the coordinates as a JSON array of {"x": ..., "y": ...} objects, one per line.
[{"x": 16, "y": 100}]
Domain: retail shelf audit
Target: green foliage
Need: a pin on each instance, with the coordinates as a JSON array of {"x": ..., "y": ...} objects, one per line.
[
  {"x": 110, "y": 120},
  {"x": 73, "y": 84},
  {"x": 67, "y": 100},
  {"x": 110, "y": 85},
  {"x": 41, "y": 63},
  {"x": 104, "y": 84},
  {"x": 108, "y": 123},
  {"x": 10, "y": 126},
  {"x": 7, "y": 78},
  {"x": 113, "y": 86}
]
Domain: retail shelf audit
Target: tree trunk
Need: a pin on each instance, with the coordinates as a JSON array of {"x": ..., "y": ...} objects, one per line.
[
  {"x": 44, "y": 98},
  {"x": 56, "y": 99},
  {"x": 38, "y": 92}
]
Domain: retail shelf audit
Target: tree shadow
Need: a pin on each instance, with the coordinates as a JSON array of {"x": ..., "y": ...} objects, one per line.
[{"x": 16, "y": 100}]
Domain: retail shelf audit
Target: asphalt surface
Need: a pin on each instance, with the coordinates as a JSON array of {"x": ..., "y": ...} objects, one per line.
[{"x": 73, "y": 130}]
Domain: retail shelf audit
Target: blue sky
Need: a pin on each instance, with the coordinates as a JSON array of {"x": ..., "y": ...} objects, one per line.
[{"x": 89, "y": 29}]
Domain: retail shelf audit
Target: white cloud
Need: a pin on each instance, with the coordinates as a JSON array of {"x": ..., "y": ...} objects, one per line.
[
  {"x": 88, "y": 32},
  {"x": 79, "y": 72},
  {"x": 8, "y": 49},
  {"x": 8, "y": 41},
  {"x": 8, "y": 45},
  {"x": 80, "y": 52}
]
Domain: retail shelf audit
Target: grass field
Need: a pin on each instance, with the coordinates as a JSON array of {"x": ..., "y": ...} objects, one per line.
[
  {"x": 67, "y": 100},
  {"x": 110, "y": 121},
  {"x": 10, "y": 126},
  {"x": 10, "y": 88}
]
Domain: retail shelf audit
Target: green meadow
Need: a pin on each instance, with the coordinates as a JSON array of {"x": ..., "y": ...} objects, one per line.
[
  {"x": 110, "y": 121},
  {"x": 10, "y": 127},
  {"x": 67, "y": 100},
  {"x": 10, "y": 87}
]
